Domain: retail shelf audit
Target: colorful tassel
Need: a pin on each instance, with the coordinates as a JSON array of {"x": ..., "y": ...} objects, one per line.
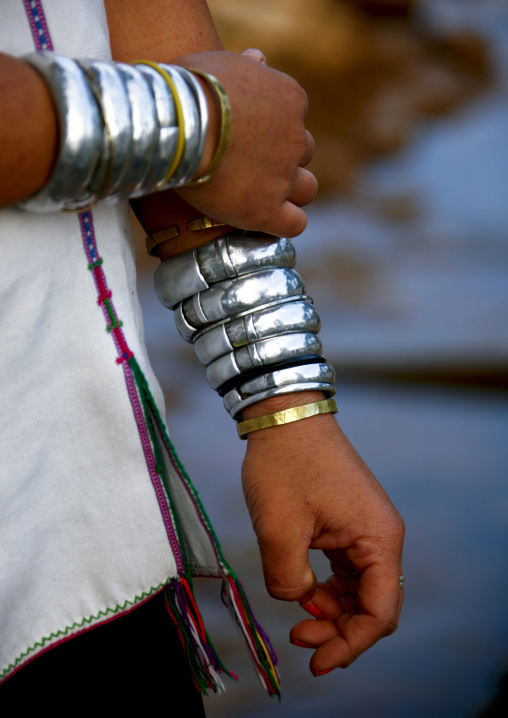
[
  {"x": 203, "y": 660},
  {"x": 258, "y": 643}
]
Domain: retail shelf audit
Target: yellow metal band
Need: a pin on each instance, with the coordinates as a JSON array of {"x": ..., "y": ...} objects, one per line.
[
  {"x": 153, "y": 240},
  {"x": 196, "y": 225},
  {"x": 297, "y": 413},
  {"x": 179, "y": 115},
  {"x": 225, "y": 127}
]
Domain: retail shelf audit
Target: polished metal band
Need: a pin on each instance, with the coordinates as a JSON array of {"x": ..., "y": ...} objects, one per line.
[
  {"x": 309, "y": 376},
  {"x": 231, "y": 256},
  {"x": 235, "y": 296},
  {"x": 163, "y": 99},
  {"x": 237, "y": 409},
  {"x": 190, "y": 158},
  {"x": 120, "y": 131},
  {"x": 81, "y": 131},
  {"x": 190, "y": 333},
  {"x": 111, "y": 93},
  {"x": 245, "y": 309},
  {"x": 275, "y": 350},
  {"x": 145, "y": 128},
  {"x": 168, "y": 128},
  {"x": 242, "y": 252},
  {"x": 287, "y": 416},
  {"x": 296, "y": 316},
  {"x": 202, "y": 107}
]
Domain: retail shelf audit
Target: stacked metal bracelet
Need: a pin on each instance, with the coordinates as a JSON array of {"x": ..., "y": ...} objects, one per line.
[
  {"x": 243, "y": 306},
  {"x": 124, "y": 130}
]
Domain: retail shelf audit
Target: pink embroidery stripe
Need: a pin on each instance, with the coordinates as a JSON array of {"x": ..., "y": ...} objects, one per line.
[
  {"x": 124, "y": 353},
  {"x": 38, "y": 26},
  {"x": 42, "y": 41}
]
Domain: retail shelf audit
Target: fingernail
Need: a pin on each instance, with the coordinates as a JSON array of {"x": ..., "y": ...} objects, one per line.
[
  {"x": 306, "y": 598},
  {"x": 323, "y": 673},
  {"x": 312, "y": 609},
  {"x": 302, "y": 644}
]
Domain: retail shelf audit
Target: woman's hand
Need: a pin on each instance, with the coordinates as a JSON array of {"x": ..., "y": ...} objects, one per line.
[
  {"x": 306, "y": 487},
  {"x": 261, "y": 183}
]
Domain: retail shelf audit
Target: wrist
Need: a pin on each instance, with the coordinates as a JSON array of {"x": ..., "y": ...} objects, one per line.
[
  {"x": 313, "y": 405},
  {"x": 162, "y": 210}
]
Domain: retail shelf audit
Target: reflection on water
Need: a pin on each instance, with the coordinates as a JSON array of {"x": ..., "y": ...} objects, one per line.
[{"x": 409, "y": 276}]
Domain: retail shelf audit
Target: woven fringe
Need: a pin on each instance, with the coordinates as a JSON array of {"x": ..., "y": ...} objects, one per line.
[
  {"x": 205, "y": 664},
  {"x": 203, "y": 660},
  {"x": 258, "y": 643}
]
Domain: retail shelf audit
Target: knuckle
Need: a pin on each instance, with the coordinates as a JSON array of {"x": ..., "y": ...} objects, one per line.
[{"x": 390, "y": 627}]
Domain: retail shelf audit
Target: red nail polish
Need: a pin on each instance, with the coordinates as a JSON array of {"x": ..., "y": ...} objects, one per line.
[
  {"x": 302, "y": 644},
  {"x": 312, "y": 609},
  {"x": 323, "y": 673}
]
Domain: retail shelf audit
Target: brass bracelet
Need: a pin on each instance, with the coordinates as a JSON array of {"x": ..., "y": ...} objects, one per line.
[
  {"x": 225, "y": 127},
  {"x": 297, "y": 413},
  {"x": 197, "y": 225},
  {"x": 153, "y": 240}
]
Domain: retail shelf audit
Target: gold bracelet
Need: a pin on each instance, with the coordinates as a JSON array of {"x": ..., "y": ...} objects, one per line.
[
  {"x": 225, "y": 127},
  {"x": 153, "y": 240},
  {"x": 196, "y": 225},
  {"x": 297, "y": 413},
  {"x": 180, "y": 146}
]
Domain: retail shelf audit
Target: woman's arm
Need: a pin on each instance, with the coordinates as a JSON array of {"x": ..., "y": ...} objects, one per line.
[
  {"x": 261, "y": 183},
  {"x": 28, "y": 131},
  {"x": 304, "y": 484}
]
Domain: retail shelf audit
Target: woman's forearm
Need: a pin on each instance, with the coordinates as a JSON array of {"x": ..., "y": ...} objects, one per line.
[
  {"x": 28, "y": 131},
  {"x": 160, "y": 30}
]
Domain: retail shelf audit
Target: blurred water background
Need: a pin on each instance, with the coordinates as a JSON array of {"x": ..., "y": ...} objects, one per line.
[{"x": 406, "y": 256}]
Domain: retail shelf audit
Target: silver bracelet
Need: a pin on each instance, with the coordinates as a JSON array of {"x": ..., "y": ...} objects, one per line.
[
  {"x": 163, "y": 98},
  {"x": 282, "y": 348},
  {"x": 296, "y": 316},
  {"x": 310, "y": 376},
  {"x": 168, "y": 130},
  {"x": 231, "y": 256},
  {"x": 242, "y": 252},
  {"x": 111, "y": 94},
  {"x": 236, "y": 409},
  {"x": 191, "y": 333},
  {"x": 119, "y": 134},
  {"x": 185, "y": 171},
  {"x": 204, "y": 116},
  {"x": 235, "y": 296},
  {"x": 81, "y": 130},
  {"x": 145, "y": 128}
]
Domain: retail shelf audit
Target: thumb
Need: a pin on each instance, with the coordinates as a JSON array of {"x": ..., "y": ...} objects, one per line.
[{"x": 288, "y": 574}]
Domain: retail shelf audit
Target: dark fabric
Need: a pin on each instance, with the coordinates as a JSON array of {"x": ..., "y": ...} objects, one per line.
[{"x": 135, "y": 661}]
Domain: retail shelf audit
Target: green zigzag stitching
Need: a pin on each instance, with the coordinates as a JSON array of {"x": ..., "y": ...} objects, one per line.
[{"x": 88, "y": 620}]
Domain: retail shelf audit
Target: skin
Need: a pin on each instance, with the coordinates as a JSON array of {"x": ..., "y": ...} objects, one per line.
[{"x": 304, "y": 484}]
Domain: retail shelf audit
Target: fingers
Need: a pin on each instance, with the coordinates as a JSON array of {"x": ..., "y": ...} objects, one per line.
[
  {"x": 288, "y": 574},
  {"x": 290, "y": 222},
  {"x": 309, "y": 149},
  {"x": 353, "y": 613},
  {"x": 305, "y": 188},
  {"x": 256, "y": 55}
]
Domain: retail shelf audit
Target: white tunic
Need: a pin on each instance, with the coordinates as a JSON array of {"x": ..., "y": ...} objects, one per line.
[{"x": 84, "y": 526}]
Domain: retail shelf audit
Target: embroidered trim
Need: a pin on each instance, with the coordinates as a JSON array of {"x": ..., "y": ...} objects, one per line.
[
  {"x": 113, "y": 326},
  {"x": 85, "y": 622},
  {"x": 203, "y": 659},
  {"x": 38, "y": 26}
]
